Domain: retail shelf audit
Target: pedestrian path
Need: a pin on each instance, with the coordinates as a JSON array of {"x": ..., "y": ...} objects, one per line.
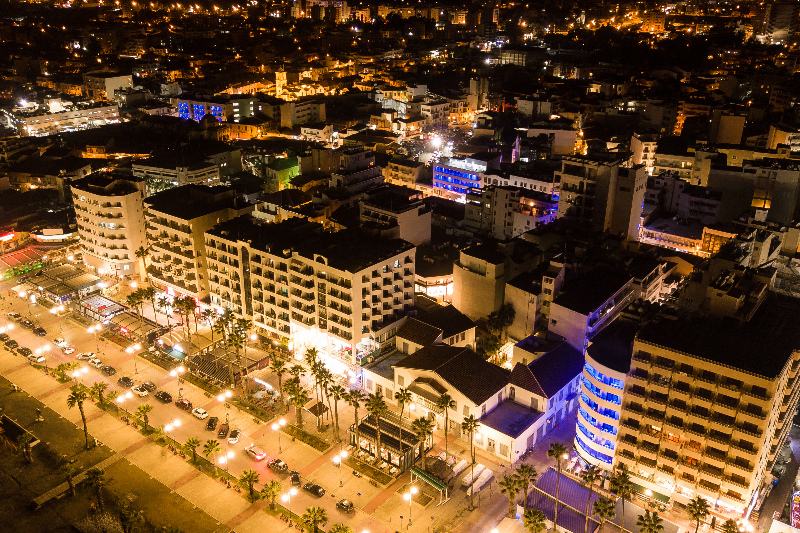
[{"x": 61, "y": 489}]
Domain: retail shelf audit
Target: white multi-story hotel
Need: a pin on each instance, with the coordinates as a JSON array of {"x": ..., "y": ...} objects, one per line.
[
  {"x": 110, "y": 216},
  {"x": 342, "y": 292}
]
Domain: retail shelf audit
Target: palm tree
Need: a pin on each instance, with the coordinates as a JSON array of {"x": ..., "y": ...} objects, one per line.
[
  {"x": 142, "y": 254},
  {"x": 445, "y": 403},
  {"x": 24, "y": 442},
  {"x": 377, "y": 408},
  {"x": 604, "y": 510},
  {"x": 337, "y": 393},
  {"x": 164, "y": 304},
  {"x": 111, "y": 398},
  {"x": 590, "y": 476},
  {"x": 507, "y": 315},
  {"x": 558, "y": 452},
  {"x": 97, "y": 390},
  {"x": 96, "y": 479},
  {"x": 510, "y": 485},
  {"x": 271, "y": 491},
  {"x": 526, "y": 475},
  {"x": 299, "y": 397},
  {"x": 149, "y": 294},
  {"x": 698, "y": 509},
  {"x": 142, "y": 411},
  {"x": 729, "y": 526},
  {"x": 422, "y": 428},
  {"x": 248, "y": 480},
  {"x": 192, "y": 443},
  {"x": 313, "y": 517},
  {"x": 325, "y": 380},
  {"x": 278, "y": 367},
  {"x": 355, "y": 398},
  {"x": 341, "y": 528},
  {"x": 136, "y": 300},
  {"x": 297, "y": 372},
  {"x": 70, "y": 470},
  {"x": 652, "y": 523},
  {"x": 622, "y": 486},
  {"x": 470, "y": 425},
  {"x": 77, "y": 397},
  {"x": 208, "y": 316},
  {"x": 210, "y": 448},
  {"x": 534, "y": 521},
  {"x": 402, "y": 397},
  {"x": 128, "y": 517}
]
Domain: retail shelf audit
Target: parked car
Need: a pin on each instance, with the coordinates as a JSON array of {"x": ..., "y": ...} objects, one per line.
[
  {"x": 60, "y": 342},
  {"x": 255, "y": 452},
  {"x": 184, "y": 404},
  {"x": 233, "y": 438},
  {"x": 36, "y": 358},
  {"x": 24, "y": 351},
  {"x": 276, "y": 465},
  {"x": 294, "y": 478},
  {"x": 27, "y": 324},
  {"x": 11, "y": 343},
  {"x": 126, "y": 382},
  {"x": 314, "y": 489},
  {"x": 108, "y": 370},
  {"x": 200, "y": 413},
  {"x": 140, "y": 391},
  {"x": 345, "y": 506},
  {"x": 211, "y": 425},
  {"x": 40, "y": 331},
  {"x": 68, "y": 350},
  {"x": 223, "y": 431},
  {"x": 14, "y": 316},
  {"x": 4, "y": 337},
  {"x": 163, "y": 396},
  {"x": 85, "y": 356},
  {"x": 149, "y": 386},
  {"x": 95, "y": 362}
]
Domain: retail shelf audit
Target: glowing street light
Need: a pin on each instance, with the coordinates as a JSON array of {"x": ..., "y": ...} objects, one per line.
[
  {"x": 338, "y": 460},
  {"x": 409, "y": 496},
  {"x": 95, "y": 329},
  {"x": 276, "y": 428}
]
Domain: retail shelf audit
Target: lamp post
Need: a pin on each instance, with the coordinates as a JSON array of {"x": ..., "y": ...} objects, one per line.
[
  {"x": 178, "y": 372},
  {"x": 222, "y": 398},
  {"x": 409, "y": 496},
  {"x": 94, "y": 329},
  {"x": 338, "y": 460},
  {"x": 79, "y": 373},
  {"x": 132, "y": 350},
  {"x": 276, "y": 427},
  {"x": 287, "y": 497},
  {"x": 226, "y": 459}
]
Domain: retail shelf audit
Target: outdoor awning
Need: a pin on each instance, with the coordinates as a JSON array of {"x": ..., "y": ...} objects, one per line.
[
  {"x": 656, "y": 496},
  {"x": 429, "y": 479}
]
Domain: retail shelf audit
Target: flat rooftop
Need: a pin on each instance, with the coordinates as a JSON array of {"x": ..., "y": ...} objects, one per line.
[
  {"x": 590, "y": 290},
  {"x": 761, "y": 346},
  {"x": 511, "y": 418}
]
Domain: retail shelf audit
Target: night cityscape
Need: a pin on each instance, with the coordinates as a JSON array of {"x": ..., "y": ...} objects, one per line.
[{"x": 387, "y": 267}]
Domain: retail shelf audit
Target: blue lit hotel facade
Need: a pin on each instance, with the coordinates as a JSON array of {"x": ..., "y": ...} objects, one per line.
[
  {"x": 223, "y": 109},
  {"x": 460, "y": 176}
]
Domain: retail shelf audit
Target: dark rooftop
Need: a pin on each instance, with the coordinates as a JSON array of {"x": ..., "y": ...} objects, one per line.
[
  {"x": 193, "y": 201},
  {"x": 108, "y": 184},
  {"x": 462, "y": 368},
  {"x": 589, "y": 291},
  {"x": 418, "y": 332},
  {"x": 550, "y": 373},
  {"x": 761, "y": 346},
  {"x": 613, "y": 346},
  {"x": 448, "y": 319}
]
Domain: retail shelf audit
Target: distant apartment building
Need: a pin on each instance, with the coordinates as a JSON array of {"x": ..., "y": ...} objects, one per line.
[
  {"x": 463, "y": 175},
  {"x": 597, "y": 192},
  {"x": 653, "y": 22},
  {"x": 52, "y": 119},
  {"x": 357, "y": 170},
  {"x": 101, "y": 85},
  {"x": 165, "y": 171},
  {"x": 343, "y": 293},
  {"x": 223, "y": 108},
  {"x": 110, "y": 215},
  {"x": 507, "y": 212},
  {"x": 397, "y": 213},
  {"x": 643, "y": 151},
  {"x": 403, "y": 172},
  {"x": 177, "y": 219},
  {"x": 300, "y": 112}
]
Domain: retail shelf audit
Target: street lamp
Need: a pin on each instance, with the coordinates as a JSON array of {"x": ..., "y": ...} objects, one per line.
[
  {"x": 226, "y": 459},
  {"x": 338, "y": 460},
  {"x": 276, "y": 428},
  {"x": 177, "y": 372},
  {"x": 132, "y": 350},
  {"x": 80, "y": 372},
  {"x": 94, "y": 329},
  {"x": 410, "y": 496},
  {"x": 223, "y": 397},
  {"x": 287, "y": 496}
]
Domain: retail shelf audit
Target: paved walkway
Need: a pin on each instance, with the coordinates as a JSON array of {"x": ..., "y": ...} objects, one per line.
[{"x": 61, "y": 489}]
